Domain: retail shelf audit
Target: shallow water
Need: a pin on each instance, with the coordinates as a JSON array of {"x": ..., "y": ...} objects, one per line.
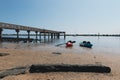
[
  {"x": 101, "y": 44},
  {"x": 108, "y": 45}
]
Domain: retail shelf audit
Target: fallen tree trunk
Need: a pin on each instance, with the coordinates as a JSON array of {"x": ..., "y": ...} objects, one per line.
[
  {"x": 13, "y": 71},
  {"x": 55, "y": 68},
  {"x": 4, "y": 54},
  {"x": 69, "y": 68}
]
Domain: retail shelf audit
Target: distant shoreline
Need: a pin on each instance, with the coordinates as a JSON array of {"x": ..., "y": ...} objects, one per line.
[{"x": 116, "y": 35}]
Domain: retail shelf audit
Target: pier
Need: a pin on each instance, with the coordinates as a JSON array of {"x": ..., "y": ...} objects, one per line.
[{"x": 38, "y": 32}]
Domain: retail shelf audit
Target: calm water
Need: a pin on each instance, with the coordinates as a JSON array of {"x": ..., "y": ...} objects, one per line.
[{"x": 100, "y": 44}]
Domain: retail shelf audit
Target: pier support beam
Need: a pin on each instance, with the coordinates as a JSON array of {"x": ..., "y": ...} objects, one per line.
[
  {"x": 40, "y": 36},
  {"x": 28, "y": 31},
  {"x": 64, "y": 35},
  {"x": 51, "y": 36},
  {"x": 1, "y": 34},
  {"x": 44, "y": 37},
  {"x": 54, "y": 35},
  {"x": 17, "y": 30},
  {"x": 36, "y": 35},
  {"x": 58, "y": 35},
  {"x": 48, "y": 36}
]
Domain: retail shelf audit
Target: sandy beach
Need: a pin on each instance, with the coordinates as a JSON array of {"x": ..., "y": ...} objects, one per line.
[{"x": 44, "y": 55}]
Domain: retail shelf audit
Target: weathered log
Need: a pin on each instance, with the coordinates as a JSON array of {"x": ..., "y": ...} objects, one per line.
[
  {"x": 69, "y": 68},
  {"x": 13, "y": 71},
  {"x": 4, "y": 54},
  {"x": 56, "y": 53},
  {"x": 55, "y": 68}
]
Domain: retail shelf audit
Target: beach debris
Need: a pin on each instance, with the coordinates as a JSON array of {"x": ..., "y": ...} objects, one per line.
[
  {"x": 69, "y": 68},
  {"x": 4, "y": 54},
  {"x": 94, "y": 57},
  {"x": 98, "y": 63},
  {"x": 13, "y": 71},
  {"x": 42, "y": 68},
  {"x": 56, "y": 53}
]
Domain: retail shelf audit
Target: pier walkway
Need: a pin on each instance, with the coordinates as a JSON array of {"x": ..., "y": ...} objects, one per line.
[{"x": 39, "y": 32}]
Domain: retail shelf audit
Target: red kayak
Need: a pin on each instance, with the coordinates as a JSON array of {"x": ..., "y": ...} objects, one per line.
[{"x": 69, "y": 44}]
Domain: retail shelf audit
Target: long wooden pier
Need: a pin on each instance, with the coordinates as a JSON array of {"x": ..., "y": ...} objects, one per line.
[{"x": 18, "y": 28}]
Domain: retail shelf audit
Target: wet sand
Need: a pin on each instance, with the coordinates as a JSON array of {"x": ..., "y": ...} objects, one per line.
[{"x": 22, "y": 56}]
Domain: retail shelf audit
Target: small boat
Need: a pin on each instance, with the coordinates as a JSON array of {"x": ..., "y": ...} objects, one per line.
[
  {"x": 69, "y": 44},
  {"x": 86, "y": 44}
]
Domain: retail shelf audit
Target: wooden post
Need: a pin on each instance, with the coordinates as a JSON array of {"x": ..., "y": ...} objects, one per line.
[
  {"x": 52, "y": 36},
  {"x": 58, "y": 35},
  {"x": 28, "y": 31},
  {"x": 1, "y": 34},
  {"x": 64, "y": 35},
  {"x": 40, "y": 36},
  {"x": 48, "y": 36},
  {"x": 36, "y": 35},
  {"x": 44, "y": 37},
  {"x": 17, "y": 30}
]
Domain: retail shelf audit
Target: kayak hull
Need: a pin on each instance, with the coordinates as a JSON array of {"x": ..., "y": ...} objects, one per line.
[
  {"x": 69, "y": 44},
  {"x": 86, "y": 45}
]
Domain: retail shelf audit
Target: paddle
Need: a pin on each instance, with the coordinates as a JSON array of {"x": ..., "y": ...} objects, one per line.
[
  {"x": 73, "y": 41},
  {"x": 65, "y": 43},
  {"x": 60, "y": 44}
]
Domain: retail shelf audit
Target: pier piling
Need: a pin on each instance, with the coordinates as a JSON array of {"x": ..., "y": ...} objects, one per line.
[
  {"x": 52, "y": 36},
  {"x": 40, "y": 36},
  {"x": 28, "y": 31},
  {"x": 36, "y": 35},
  {"x": 1, "y": 34},
  {"x": 17, "y": 30}
]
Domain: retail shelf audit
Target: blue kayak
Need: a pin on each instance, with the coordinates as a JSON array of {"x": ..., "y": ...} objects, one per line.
[{"x": 86, "y": 44}]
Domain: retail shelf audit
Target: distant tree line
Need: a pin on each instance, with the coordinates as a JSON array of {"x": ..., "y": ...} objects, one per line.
[{"x": 92, "y": 34}]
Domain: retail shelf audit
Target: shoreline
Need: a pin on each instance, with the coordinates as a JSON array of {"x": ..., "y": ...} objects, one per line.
[{"x": 23, "y": 57}]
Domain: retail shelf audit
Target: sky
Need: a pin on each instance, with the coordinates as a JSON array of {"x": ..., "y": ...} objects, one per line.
[{"x": 71, "y": 16}]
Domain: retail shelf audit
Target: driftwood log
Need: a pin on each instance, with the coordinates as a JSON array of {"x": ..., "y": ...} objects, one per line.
[
  {"x": 55, "y": 68},
  {"x": 56, "y": 53},
  {"x": 4, "y": 54},
  {"x": 69, "y": 68},
  {"x": 13, "y": 71}
]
